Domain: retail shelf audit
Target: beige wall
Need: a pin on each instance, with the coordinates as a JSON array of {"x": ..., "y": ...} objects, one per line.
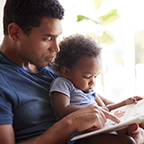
[{"x": 2, "y": 2}]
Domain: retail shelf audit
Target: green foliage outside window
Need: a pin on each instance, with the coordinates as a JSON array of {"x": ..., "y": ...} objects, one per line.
[{"x": 103, "y": 20}]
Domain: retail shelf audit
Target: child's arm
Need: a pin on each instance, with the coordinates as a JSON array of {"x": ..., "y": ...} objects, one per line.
[
  {"x": 125, "y": 102},
  {"x": 99, "y": 102},
  {"x": 105, "y": 100},
  {"x": 61, "y": 104}
]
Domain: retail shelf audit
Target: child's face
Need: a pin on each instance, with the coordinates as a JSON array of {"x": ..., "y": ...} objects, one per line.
[{"x": 83, "y": 74}]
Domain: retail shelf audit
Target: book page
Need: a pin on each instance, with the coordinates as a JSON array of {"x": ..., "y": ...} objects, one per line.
[
  {"x": 127, "y": 113},
  {"x": 133, "y": 113}
]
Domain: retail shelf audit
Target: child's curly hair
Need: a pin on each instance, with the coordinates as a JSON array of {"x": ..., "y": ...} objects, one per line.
[{"x": 72, "y": 48}]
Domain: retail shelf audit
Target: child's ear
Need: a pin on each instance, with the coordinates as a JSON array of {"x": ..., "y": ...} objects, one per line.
[{"x": 65, "y": 72}]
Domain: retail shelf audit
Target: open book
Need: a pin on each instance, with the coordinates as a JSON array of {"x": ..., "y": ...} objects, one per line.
[{"x": 133, "y": 113}]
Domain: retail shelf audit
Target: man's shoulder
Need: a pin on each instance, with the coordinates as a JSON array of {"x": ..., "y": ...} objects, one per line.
[
  {"x": 4, "y": 61},
  {"x": 51, "y": 72}
]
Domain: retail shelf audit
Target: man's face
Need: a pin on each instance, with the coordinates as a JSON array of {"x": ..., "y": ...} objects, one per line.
[{"x": 40, "y": 46}]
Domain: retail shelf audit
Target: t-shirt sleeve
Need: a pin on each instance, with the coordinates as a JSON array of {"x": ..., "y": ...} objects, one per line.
[
  {"x": 6, "y": 116},
  {"x": 61, "y": 85},
  {"x": 6, "y": 104}
]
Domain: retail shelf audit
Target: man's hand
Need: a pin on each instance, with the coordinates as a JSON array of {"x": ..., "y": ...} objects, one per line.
[{"x": 92, "y": 116}]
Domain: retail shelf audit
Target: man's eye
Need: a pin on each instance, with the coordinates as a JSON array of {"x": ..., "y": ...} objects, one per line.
[{"x": 48, "y": 38}]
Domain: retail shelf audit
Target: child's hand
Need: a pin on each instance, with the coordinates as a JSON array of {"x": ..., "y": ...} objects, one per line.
[{"x": 133, "y": 100}]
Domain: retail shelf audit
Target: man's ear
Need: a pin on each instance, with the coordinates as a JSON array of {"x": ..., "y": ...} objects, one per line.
[
  {"x": 65, "y": 72},
  {"x": 14, "y": 31}
]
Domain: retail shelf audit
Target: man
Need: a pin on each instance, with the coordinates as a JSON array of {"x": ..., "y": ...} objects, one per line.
[{"x": 31, "y": 29}]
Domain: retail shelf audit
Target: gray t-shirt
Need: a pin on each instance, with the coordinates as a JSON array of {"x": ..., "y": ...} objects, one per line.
[{"x": 77, "y": 97}]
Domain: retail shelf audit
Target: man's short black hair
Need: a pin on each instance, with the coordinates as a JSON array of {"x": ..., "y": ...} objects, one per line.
[{"x": 28, "y": 13}]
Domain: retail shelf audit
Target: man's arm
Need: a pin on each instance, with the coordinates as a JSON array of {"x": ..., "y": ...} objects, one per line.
[
  {"x": 60, "y": 132},
  {"x": 57, "y": 134},
  {"x": 7, "y": 134}
]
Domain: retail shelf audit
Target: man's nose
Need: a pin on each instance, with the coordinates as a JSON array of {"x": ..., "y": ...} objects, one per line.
[{"x": 55, "y": 46}]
